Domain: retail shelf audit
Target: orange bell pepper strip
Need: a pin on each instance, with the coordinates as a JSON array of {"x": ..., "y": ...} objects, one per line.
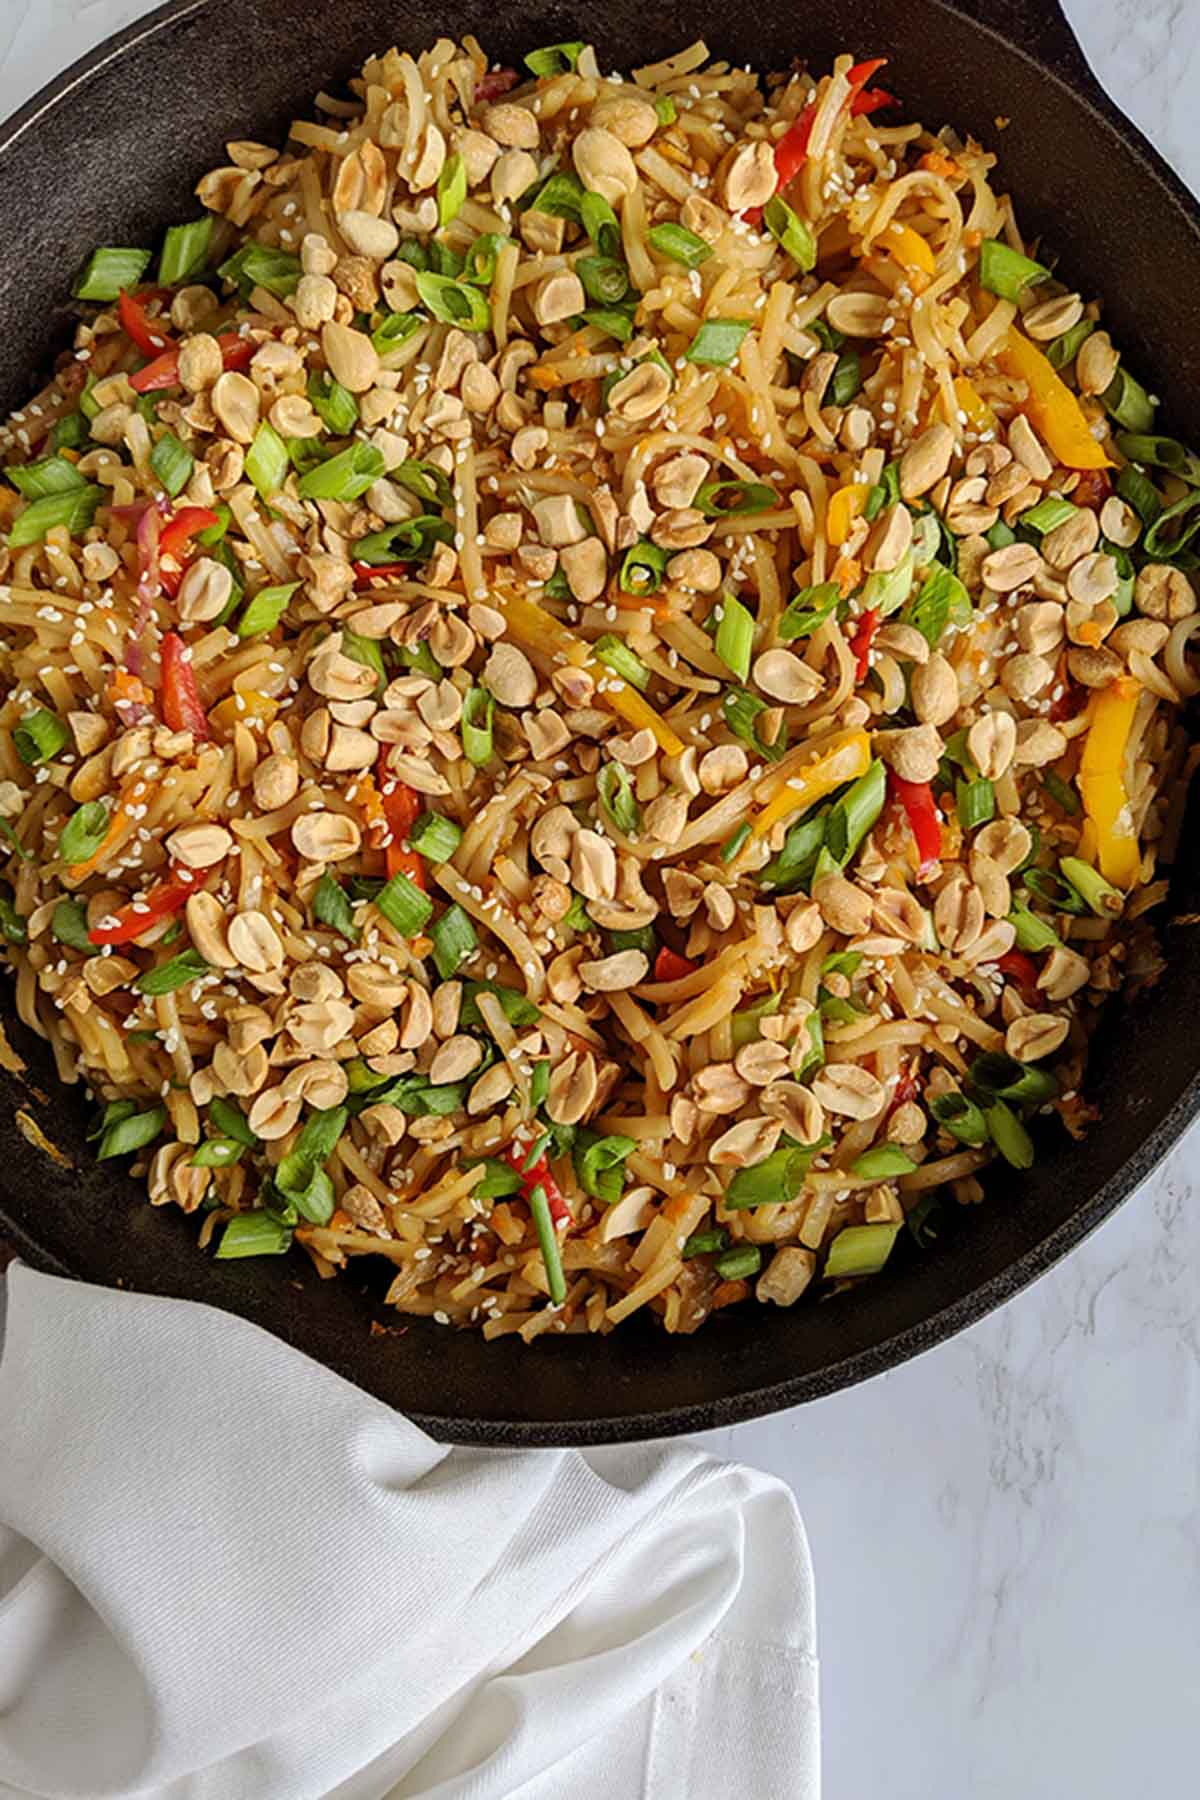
[
  {"x": 168, "y": 897},
  {"x": 122, "y": 818},
  {"x": 1102, "y": 782},
  {"x": 1051, "y": 406},
  {"x": 848, "y": 757}
]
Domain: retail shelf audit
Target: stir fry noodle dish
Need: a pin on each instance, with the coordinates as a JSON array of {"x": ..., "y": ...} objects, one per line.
[{"x": 593, "y": 679}]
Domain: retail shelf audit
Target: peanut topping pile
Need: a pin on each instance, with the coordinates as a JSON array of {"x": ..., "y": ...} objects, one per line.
[{"x": 593, "y": 672}]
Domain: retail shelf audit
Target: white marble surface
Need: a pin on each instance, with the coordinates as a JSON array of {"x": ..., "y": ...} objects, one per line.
[{"x": 1007, "y": 1531}]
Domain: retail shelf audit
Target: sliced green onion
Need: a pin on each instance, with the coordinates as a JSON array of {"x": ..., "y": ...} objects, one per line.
[
  {"x": 605, "y": 278},
  {"x": 717, "y": 342},
  {"x": 366, "y": 651},
  {"x": 846, "y": 379},
  {"x": 849, "y": 820},
  {"x": 791, "y": 233},
  {"x": 189, "y": 965},
  {"x": 681, "y": 245},
  {"x": 132, "y": 1132},
  {"x": 746, "y": 1022},
  {"x": 479, "y": 264},
  {"x": 476, "y": 727},
  {"x": 409, "y": 540},
  {"x": 435, "y": 837},
  {"x": 886, "y": 591},
  {"x": 403, "y": 905},
  {"x": 577, "y": 917},
  {"x": 778, "y": 1178},
  {"x": 1167, "y": 540},
  {"x": 1101, "y": 896},
  {"x": 703, "y": 1243},
  {"x": 1032, "y": 933},
  {"x": 976, "y": 803},
  {"x": 1009, "y": 1135},
  {"x": 794, "y": 865},
  {"x": 727, "y": 499},
  {"x": 185, "y": 251},
  {"x": 623, "y": 661},
  {"x": 265, "y": 610},
  {"x": 12, "y": 923},
  {"x": 614, "y": 785},
  {"x": 454, "y": 302},
  {"x": 1048, "y": 513},
  {"x": 230, "y": 1122},
  {"x": 543, "y": 1224},
  {"x": 643, "y": 568},
  {"x": 740, "y": 710},
  {"x": 254, "y": 1234},
  {"x": 345, "y": 476},
  {"x": 454, "y": 940},
  {"x": 395, "y": 330},
  {"x": 1161, "y": 453},
  {"x": 498, "y": 1183},
  {"x": 39, "y": 737},
  {"x": 539, "y": 1083},
  {"x": 172, "y": 462},
  {"x": 108, "y": 270},
  {"x": 322, "y": 1130},
  {"x": 332, "y": 906},
  {"x": 69, "y": 925},
  {"x": 1006, "y": 272},
  {"x": 997, "y": 1074},
  {"x": 1066, "y": 348},
  {"x": 262, "y": 266},
  {"x": 553, "y": 59},
  {"x": 860, "y": 1250},
  {"x": 1139, "y": 492},
  {"x": 664, "y": 106},
  {"x": 815, "y": 1057},
  {"x": 600, "y": 1164},
  {"x": 442, "y": 260},
  {"x": 600, "y": 222},
  {"x": 217, "y": 1153},
  {"x": 961, "y": 1117},
  {"x": 886, "y": 1162},
  {"x": 69, "y": 433},
  {"x": 734, "y": 844},
  {"x": 1060, "y": 791},
  {"x": 84, "y": 832},
  {"x": 267, "y": 461},
  {"x": 616, "y": 324},
  {"x": 735, "y": 637},
  {"x": 74, "y": 510},
  {"x": 1000, "y": 536},
  {"x": 334, "y": 404},
  {"x": 48, "y": 475},
  {"x": 1126, "y": 402},
  {"x": 561, "y": 195},
  {"x": 741, "y": 1261},
  {"x": 517, "y": 1009},
  {"x": 808, "y": 611},
  {"x": 451, "y": 189},
  {"x": 942, "y": 600}
]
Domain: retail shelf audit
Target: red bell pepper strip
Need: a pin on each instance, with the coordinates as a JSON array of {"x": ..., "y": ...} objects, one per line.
[
  {"x": 916, "y": 797},
  {"x": 365, "y": 572},
  {"x": 135, "y": 323},
  {"x": 167, "y": 898},
  {"x": 670, "y": 966},
  {"x": 181, "y": 704},
  {"x": 402, "y": 807},
  {"x": 539, "y": 1176},
  {"x": 173, "y": 539},
  {"x": 495, "y": 83},
  {"x": 860, "y": 643},
  {"x": 163, "y": 372},
  {"x": 792, "y": 148},
  {"x": 906, "y": 1090},
  {"x": 1020, "y": 969}
]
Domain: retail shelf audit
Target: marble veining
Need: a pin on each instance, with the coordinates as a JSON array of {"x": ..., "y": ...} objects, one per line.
[{"x": 1006, "y": 1532}]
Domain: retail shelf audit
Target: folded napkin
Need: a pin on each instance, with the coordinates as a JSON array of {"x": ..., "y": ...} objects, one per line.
[{"x": 226, "y": 1574}]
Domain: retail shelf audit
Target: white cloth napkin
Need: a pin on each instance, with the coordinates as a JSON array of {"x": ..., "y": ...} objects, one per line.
[{"x": 226, "y": 1574}]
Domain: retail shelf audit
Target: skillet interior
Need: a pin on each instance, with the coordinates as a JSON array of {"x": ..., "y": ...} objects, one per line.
[{"x": 110, "y": 154}]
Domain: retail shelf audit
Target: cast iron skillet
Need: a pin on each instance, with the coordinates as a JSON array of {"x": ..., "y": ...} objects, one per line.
[{"x": 109, "y": 154}]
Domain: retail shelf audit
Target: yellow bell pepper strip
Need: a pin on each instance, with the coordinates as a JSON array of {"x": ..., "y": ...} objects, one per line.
[
  {"x": 908, "y": 248},
  {"x": 847, "y": 505},
  {"x": 240, "y": 708},
  {"x": 1051, "y": 407},
  {"x": 541, "y": 633},
  {"x": 848, "y": 757},
  {"x": 979, "y": 414},
  {"x": 1102, "y": 782}
]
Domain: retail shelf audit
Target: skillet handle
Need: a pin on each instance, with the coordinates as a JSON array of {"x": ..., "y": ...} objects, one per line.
[{"x": 1039, "y": 27}]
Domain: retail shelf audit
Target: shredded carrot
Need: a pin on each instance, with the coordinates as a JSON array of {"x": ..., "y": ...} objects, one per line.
[
  {"x": 847, "y": 572},
  {"x": 729, "y": 1293},
  {"x": 938, "y": 163},
  {"x": 370, "y": 803},
  {"x": 124, "y": 687}
]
